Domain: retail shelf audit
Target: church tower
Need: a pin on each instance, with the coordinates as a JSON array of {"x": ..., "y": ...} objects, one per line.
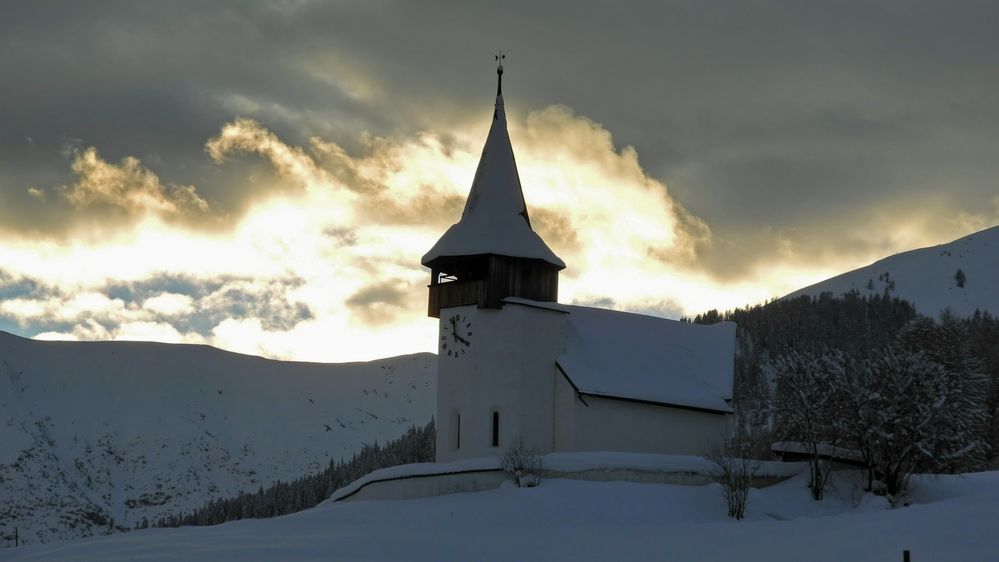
[
  {"x": 515, "y": 365},
  {"x": 492, "y": 252},
  {"x": 496, "y": 359}
]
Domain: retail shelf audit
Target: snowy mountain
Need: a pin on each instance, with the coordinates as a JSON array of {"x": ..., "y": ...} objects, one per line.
[
  {"x": 929, "y": 278},
  {"x": 99, "y": 435}
]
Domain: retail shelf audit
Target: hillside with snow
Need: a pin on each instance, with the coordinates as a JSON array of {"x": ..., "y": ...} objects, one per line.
[
  {"x": 952, "y": 518},
  {"x": 928, "y": 277},
  {"x": 99, "y": 435}
]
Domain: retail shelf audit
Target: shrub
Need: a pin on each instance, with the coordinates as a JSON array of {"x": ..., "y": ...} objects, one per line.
[
  {"x": 524, "y": 463},
  {"x": 734, "y": 469}
]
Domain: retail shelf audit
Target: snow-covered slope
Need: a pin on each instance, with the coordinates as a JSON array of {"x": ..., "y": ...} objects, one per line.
[
  {"x": 927, "y": 277},
  {"x": 953, "y": 519},
  {"x": 91, "y": 432}
]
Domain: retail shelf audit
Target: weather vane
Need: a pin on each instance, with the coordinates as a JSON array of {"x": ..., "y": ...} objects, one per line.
[{"x": 499, "y": 72}]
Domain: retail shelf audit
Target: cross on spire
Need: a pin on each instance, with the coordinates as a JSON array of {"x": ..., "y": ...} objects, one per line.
[{"x": 499, "y": 73}]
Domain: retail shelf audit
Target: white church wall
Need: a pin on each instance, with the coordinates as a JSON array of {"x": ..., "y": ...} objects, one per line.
[
  {"x": 506, "y": 368},
  {"x": 565, "y": 410},
  {"x": 618, "y": 425}
]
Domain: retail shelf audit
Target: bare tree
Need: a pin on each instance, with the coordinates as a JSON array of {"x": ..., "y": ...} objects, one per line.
[
  {"x": 524, "y": 463},
  {"x": 734, "y": 470},
  {"x": 808, "y": 408}
]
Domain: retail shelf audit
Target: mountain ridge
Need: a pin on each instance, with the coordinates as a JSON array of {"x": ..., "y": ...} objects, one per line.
[
  {"x": 101, "y": 435},
  {"x": 928, "y": 277}
]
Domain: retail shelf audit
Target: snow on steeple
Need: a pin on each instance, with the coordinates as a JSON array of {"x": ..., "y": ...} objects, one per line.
[{"x": 495, "y": 219}]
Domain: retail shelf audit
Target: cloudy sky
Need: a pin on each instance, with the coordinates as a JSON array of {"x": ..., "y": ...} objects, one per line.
[{"x": 265, "y": 176}]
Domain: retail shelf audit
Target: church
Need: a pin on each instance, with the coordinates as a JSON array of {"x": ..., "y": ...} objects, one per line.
[{"x": 516, "y": 364}]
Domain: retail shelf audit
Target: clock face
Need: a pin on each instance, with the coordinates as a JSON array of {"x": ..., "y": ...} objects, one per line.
[{"x": 456, "y": 335}]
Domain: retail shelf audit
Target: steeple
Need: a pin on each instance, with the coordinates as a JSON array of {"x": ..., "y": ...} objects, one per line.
[{"x": 495, "y": 222}]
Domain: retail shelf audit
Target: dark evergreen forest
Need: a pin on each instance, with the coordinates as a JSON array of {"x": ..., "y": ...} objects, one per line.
[
  {"x": 859, "y": 328},
  {"x": 282, "y": 498}
]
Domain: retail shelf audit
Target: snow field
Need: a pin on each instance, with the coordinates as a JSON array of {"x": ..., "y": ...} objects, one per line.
[{"x": 955, "y": 518}]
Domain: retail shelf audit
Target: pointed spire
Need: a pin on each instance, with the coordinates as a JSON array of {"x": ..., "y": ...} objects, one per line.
[
  {"x": 496, "y": 187},
  {"x": 495, "y": 219}
]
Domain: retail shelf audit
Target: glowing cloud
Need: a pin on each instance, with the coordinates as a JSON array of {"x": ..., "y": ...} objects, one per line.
[
  {"x": 326, "y": 266},
  {"x": 246, "y": 135},
  {"x": 129, "y": 186}
]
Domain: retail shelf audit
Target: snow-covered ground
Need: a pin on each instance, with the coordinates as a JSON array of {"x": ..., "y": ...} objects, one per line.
[
  {"x": 954, "y": 518},
  {"x": 926, "y": 277},
  {"x": 102, "y": 434}
]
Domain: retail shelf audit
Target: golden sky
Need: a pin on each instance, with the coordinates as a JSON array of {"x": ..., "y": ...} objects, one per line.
[{"x": 255, "y": 181}]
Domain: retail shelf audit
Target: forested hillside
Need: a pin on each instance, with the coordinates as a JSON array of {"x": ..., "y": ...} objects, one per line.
[
  {"x": 282, "y": 498},
  {"x": 853, "y": 334}
]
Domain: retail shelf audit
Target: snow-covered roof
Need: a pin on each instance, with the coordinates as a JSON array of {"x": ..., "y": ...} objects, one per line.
[
  {"x": 646, "y": 358},
  {"x": 495, "y": 219}
]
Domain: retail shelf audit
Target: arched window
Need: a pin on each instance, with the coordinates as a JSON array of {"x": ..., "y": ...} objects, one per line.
[{"x": 495, "y": 429}]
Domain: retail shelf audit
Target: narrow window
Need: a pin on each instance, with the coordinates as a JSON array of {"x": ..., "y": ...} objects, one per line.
[
  {"x": 455, "y": 429},
  {"x": 495, "y": 429}
]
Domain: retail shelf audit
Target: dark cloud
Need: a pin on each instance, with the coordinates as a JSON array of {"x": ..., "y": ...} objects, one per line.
[
  {"x": 430, "y": 206},
  {"x": 382, "y": 302},
  {"x": 765, "y": 117},
  {"x": 602, "y": 302},
  {"x": 380, "y": 293},
  {"x": 268, "y": 302},
  {"x": 212, "y": 301},
  {"x": 665, "y": 308},
  {"x": 343, "y": 236},
  {"x": 176, "y": 284},
  {"x": 17, "y": 286},
  {"x": 555, "y": 228}
]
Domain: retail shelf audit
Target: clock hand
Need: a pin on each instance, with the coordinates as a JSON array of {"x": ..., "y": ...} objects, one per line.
[{"x": 461, "y": 339}]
